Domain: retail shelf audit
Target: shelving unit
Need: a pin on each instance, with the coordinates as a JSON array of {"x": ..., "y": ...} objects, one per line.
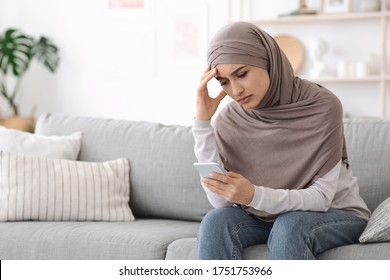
[
  {"x": 324, "y": 17},
  {"x": 382, "y": 17}
]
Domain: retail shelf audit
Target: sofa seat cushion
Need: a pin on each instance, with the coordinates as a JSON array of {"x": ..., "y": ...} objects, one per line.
[
  {"x": 185, "y": 249},
  {"x": 182, "y": 249},
  {"x": 372, "y": 251},
  {"x": 141, "y": 239}
]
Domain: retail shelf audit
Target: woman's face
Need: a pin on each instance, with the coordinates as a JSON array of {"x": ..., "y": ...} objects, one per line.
[{"x": 244, "y": 83}]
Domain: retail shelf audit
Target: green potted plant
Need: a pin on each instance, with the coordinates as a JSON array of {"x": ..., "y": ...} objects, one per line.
[{"x": 17, "y": 51}]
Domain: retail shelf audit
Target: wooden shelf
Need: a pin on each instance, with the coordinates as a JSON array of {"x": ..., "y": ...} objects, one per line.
[
  {"x": 368, "y": 79},
  {"x": 322, "y": 17}
]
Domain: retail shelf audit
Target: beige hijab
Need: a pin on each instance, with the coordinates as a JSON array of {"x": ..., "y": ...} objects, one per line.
[{"x": 294, "y": 136}]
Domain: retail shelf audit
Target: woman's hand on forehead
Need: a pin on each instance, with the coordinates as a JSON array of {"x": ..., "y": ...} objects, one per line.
[{"x": 206, "y": 106}]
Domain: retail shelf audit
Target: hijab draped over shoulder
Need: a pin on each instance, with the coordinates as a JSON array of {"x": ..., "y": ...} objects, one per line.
[{"x": 294, "y": 136}]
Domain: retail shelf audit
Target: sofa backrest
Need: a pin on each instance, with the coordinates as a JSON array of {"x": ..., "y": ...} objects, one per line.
[
  {"x": 368, "y": 145},
  {"x": 163, "y": 182}
]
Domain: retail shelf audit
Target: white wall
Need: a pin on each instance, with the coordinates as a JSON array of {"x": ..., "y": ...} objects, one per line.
[
  {"x": 124, "y": 64},
  {"x": 118, "y": 63}
]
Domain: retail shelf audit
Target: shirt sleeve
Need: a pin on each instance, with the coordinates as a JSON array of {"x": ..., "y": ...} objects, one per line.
[
  {"x": 206, "y": 151},
  {"x": 316, "y": 197}
]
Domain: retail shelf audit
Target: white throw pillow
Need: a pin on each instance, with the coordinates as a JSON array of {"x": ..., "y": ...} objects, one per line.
[
  {"x": 44, "y": 189},
  {"x": 378, "y": 227},
  {"x": 64, "y": 147}
]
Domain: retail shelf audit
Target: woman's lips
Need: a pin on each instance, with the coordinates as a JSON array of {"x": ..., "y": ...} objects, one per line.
[{"x": 245, "y": 99}]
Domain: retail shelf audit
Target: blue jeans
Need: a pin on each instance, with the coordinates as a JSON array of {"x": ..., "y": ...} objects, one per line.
[{"x": 300, "y": 235}]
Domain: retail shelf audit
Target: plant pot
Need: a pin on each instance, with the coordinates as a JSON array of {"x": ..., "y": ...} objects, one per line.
[{"x": 19, "y": 122}]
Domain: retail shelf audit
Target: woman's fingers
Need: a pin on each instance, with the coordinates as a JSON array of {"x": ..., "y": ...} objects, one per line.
[
  {"x": 207, "y": 76},
  {"x": 233, "y": 187},
  {"x": 206, "y": 105}
]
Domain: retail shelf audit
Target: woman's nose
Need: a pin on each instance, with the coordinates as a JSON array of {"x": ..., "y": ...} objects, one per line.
[{"x": 237, "y": 89}]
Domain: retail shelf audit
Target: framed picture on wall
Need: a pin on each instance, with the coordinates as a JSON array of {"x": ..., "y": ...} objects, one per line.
[
  {"x": 336, "y": 6},
  {"x": 131, "y": 8}
]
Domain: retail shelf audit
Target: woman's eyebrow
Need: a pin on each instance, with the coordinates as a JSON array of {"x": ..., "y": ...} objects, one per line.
[
  {"x": 238, "y": 69},
  {"x": 231, "y": 74}
]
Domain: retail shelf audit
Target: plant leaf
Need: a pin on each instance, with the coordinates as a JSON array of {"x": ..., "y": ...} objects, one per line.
[
  {"x": 15, "y": 52},
  {"x": 47, "y": 53}
]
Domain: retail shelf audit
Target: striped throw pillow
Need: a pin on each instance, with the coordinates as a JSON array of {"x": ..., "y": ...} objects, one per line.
[
  {"x": 378, "y": 227},
  {"x": 45, "y": 189}
]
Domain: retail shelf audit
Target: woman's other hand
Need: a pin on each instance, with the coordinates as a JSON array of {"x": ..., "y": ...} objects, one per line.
[
  {"x": 206, "y": 106},
  {"x": 232, "y": 187}
]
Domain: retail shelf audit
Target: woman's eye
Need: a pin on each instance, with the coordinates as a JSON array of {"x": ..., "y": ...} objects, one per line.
[
  {"x": 223, "y": 83},
  {"x": 242, "y": 75}
]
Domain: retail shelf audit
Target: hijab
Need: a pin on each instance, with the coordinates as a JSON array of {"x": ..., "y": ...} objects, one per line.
[{"x": 294, "y": 136}]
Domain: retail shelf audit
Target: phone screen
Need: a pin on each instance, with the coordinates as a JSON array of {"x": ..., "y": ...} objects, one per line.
[{"x": 205, "y": 168}]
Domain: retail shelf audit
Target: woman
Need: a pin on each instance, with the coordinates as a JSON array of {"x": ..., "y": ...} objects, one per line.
[{"x": 281, "y": 138}]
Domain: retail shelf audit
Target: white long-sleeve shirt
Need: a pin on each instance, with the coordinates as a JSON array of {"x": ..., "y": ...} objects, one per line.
[{"x": 336, "y": 189}]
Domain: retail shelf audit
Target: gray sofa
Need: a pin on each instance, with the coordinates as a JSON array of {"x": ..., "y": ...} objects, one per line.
[{"x": 166, "y": 197}]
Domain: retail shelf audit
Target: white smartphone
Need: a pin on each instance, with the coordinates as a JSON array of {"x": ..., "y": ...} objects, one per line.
[{"x": 205, "y": 168}]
